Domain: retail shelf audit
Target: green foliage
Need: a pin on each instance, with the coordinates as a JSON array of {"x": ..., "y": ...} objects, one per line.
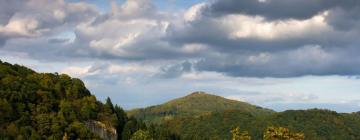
[
  {"x": 160, "y": 132},
  {"x": 108, "y": 104},
  {"x": 314, "y": 124},
  {"x": 121, "y": 120},
  {"x": 43, "y": 105},
  {"x": 131, "y": 126},
  {"x": 5, "y": 110},
  {"x": 52, "y": 106},
  {"x": 141, "y": 135}
]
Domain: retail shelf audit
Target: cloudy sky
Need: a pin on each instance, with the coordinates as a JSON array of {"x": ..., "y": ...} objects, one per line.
[{"x": 281, "y": 54}]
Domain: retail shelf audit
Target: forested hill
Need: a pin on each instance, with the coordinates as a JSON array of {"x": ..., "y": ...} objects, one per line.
[
  {"x": 203, "y": 116},
  {"x": 196, "y": 103},
  {"x": 40, "y": 106}
]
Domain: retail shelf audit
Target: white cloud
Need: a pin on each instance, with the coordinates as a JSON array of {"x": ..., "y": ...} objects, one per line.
[
  {"x": 31, "y": 19},
  {"x": 194, "y": 48},
  {"x": 260, "y": 58},
  {"x": 21, "y": 27},
  {"x": 194, "y": 12},
  {"x": 127, "y": 31},
  {"x": 131, "y": 69},
  {"x": 203, "y": 76},
  {"x": 243, "y": 26},
  {"x": 137, "y": 7},
  {"x": 312, "y": 53},
  {"x": 77, "y": 71}
]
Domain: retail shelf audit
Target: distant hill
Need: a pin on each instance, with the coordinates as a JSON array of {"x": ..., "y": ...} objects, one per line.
[
  {"x": 203, "y": 116},
  {"x": 197, "y": 103}
]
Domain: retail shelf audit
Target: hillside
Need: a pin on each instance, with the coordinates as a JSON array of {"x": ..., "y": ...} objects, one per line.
[
  {"x": 315, "y": 124},
  {"x": 39, "y": 106},
  {"x": 203, "y": 116},
  {"x": 196, "y": 103}
]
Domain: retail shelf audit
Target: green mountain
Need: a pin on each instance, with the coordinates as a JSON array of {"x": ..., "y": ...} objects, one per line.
[
  {"x": 197, "y": 103},
  {"x": 39, "y": 106},
  {"x": 202, "y": 116}
]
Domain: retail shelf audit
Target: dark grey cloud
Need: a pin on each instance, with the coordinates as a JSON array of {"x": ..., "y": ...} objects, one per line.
[
  {"x": 58, "y": 40},
  {"x": 8, "y": 8},
  {"x": 277, "y": 9},
  {"x": 343, "y": 14},
  {"x": 175, "y": 70},
  {"x": 345, "y": 18},
  {"x": 334, "y": 32},
  {"x": 307, "y": 60},
  {"x": 2, "y": 40}
]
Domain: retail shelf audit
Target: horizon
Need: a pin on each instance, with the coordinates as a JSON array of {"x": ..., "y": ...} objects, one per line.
[{"x": 147, "y": 52}]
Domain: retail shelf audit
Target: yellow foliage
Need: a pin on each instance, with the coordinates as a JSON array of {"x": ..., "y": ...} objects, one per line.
[
  {"x": 281, "y": 133},
  {"x": 238, "y": 135}
]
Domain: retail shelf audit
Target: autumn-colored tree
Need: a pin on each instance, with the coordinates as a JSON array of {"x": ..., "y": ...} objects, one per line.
[
  {"x": 281, "y": 133},
  {"x": 238, "y": 135},
  {"x": 65, "y": 137}
]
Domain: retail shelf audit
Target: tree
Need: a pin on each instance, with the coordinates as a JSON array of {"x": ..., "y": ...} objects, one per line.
[
  {"x": 5, "y": 111},
  {"x": 281, "y": 133},
  {"x": 238, "y": 135},
  {"x": 121, "y": 119},
  {"x": 109, "y": 104},
  {"x": 131, "y": 126},
  {"x": 45, "y": 106},
  {"x": 141, "y": 135}
]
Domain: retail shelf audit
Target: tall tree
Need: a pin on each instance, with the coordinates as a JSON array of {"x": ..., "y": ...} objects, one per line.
[
  {"x": 109, "y": 104},
  {"x": 121, "y": 119}
]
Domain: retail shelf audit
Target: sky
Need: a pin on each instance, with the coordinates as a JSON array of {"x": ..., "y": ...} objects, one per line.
[{"x": 279, "y": 54}]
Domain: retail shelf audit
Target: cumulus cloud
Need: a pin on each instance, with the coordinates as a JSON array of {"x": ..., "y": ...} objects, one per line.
[
  {"x": 31, "y": 19},
  {"x": 247, "y": 38},
  {"x": 271, "y": 38}
]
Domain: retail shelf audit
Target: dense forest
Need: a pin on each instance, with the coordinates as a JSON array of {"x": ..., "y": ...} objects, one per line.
[
  {"x": 55, "y": 106},
  {"x": 40, "y": 106}
]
